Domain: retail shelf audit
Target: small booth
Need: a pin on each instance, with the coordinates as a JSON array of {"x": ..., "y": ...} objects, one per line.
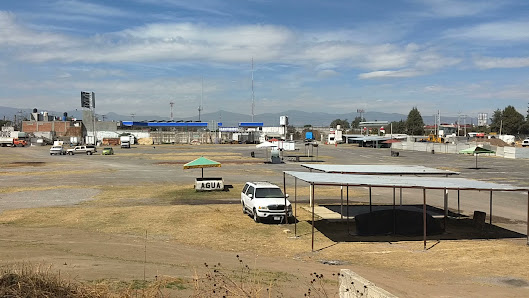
[{"x": 205, "y": 184}]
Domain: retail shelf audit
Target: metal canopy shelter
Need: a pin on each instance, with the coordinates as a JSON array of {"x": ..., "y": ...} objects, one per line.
[
  {"x": 424, "y": 183},
  {"x": 379, "y": 169},
  {"x": 384, "y": 170}
]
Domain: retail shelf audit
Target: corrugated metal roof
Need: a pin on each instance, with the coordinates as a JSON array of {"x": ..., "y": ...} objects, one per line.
[
  {"x": 401, "y": 181},
  {"x": 378, "y": 169}
]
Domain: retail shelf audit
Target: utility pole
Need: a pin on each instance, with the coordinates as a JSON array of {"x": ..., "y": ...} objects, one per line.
[
  {"x": 458, "y": 121},
  {"x": 438, "y": 122},
  {"x": 465, "y": 123},
  {"x": 132, "y": 115},
  {"x": 172, "y": 104}
]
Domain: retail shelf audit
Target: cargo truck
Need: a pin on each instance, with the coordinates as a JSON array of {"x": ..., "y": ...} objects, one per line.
[
  {"x": 126, "y": 141},
  {"x": 14, "y": 142}
]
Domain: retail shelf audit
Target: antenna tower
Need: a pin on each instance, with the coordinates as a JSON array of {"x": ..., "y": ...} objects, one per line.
[
  {"x": 171, "y": 104},
  {"x": 201, "y": 98},
  {"x": 253, "y": 97}
]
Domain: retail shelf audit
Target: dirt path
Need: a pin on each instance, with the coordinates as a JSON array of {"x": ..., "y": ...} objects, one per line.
[{"x": 97, "y": 256}]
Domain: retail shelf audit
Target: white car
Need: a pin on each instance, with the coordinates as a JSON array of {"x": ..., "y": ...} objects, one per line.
[
  {"x": 57, "y": 150},
  {"x": 525, "y": 143},
  {"x": 264, "y": 200}
]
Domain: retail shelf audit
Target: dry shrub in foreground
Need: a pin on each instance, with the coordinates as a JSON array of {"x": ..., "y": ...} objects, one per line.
[
  {"x": 251, "y": 283},
  {"x": 36, "y": 281},
  {"x": 30, "y": 281}
]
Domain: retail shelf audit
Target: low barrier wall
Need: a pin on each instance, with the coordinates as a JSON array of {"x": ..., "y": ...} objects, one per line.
[
  {"x": 506, "y": 152},
  {"x": 353, "y": 285}
]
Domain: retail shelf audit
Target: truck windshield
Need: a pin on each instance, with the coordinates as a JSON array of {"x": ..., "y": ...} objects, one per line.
[{"x": 268, "y": 193}]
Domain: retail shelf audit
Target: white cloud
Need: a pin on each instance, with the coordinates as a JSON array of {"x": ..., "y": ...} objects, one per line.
[
  {"x": 459, "y": 8},
  {"x": 86, "y": 8},
  {"x": 501, "y": 62},
  {"x": 208, "y": 6},
  {"x": 14, "y": 35},
  {"x": 514, "y": 31},
  {"x": 185, "y": 42},
  {"x": 327, "y": 73},
  {"x": 405, "y": 73}
]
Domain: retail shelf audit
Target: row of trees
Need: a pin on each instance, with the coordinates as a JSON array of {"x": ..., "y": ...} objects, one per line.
[
  {"x": 506, "y": 121},
  {"x": 414, "y": 124}
]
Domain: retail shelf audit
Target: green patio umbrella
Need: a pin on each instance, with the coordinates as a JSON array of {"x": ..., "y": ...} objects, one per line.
[
  {"x": 202, "y": 163},
  {"x": 476, "y": 150}
]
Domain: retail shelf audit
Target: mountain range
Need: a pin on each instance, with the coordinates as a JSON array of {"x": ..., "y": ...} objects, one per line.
[{"x": 295, "y": 117}]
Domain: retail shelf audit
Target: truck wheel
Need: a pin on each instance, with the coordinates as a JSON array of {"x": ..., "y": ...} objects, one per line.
[
  {"x": 256, "y": 217},
  {"x": 87, "y": 152}
]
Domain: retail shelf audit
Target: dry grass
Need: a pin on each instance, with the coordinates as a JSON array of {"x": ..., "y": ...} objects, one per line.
[
  {"x": 56, "y": 173},
  {"x": 34, "y": 281},
  {"x": 14, "y": 189},
  {"x": 215, "y": 226},
  {"x": 164, "y": 212},
  {"x": 26, "y": 280},
  {"x": 189, "y": 156}
]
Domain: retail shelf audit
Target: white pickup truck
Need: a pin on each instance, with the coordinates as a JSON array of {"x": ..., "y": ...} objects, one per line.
[{"x": 88, "y": 150}]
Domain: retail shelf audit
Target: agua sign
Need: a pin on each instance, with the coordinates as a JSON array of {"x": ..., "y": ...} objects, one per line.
[{"x": 207, "y": 184}]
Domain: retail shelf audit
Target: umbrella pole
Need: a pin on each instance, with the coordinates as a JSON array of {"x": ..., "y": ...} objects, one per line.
[
  {"x": 476, "y": 161},
  {"x": 202, "y": 172}
]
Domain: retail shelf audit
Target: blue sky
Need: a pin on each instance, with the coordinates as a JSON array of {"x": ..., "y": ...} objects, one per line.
[{"x": 463, "y": 57}]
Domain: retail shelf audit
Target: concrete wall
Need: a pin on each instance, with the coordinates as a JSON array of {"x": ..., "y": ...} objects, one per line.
[
  {"x": 507, "y": 152},
  {"x": 353, "y": 285}
]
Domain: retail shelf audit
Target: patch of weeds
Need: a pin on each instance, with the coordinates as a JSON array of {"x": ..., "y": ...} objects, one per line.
[
  {"x": 139, "y": 284},
  {"x": 178, "y": 284}
]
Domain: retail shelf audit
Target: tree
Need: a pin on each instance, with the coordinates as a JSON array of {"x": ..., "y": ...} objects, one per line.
[
  {"x": 343, "y": 123},
  {"x": 397, "y": 127},
  {"x": 291, "y": 130},
  {"x": 512, "y": 121},
  {"x": 356, "y": 122},
  {"x": 495, "y": 121},
  {"x": 414, "y": 123}
]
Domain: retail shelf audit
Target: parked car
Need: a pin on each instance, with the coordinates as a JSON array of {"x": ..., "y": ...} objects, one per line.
[
  {"x": 525, "y": 143},
  {"x": 107, "y": 151},
  {"x": 57, "y": 150},
  {"x": 264, "y": 200},
  {"x": 88, "y": 150}
]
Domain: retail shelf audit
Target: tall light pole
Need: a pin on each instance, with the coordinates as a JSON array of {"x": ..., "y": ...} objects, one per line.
[{"x": 171, "y": 104}]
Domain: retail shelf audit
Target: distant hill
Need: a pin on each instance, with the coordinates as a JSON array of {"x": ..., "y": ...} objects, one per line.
[{"x": 295, "y": 117}]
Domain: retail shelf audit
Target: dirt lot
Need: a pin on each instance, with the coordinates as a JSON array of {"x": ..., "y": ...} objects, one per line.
[{"x": 115, "y": 219}]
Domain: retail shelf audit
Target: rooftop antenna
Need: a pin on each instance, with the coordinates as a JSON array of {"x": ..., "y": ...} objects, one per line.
[
  {"x": 253, "y": 97},
  {"x": 201, "y": 98},
  {"x": 172, "y": 104}
]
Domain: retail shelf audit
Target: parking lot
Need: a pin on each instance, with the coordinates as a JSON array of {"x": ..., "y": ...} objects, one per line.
[{"x": 60, "y": 209}]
